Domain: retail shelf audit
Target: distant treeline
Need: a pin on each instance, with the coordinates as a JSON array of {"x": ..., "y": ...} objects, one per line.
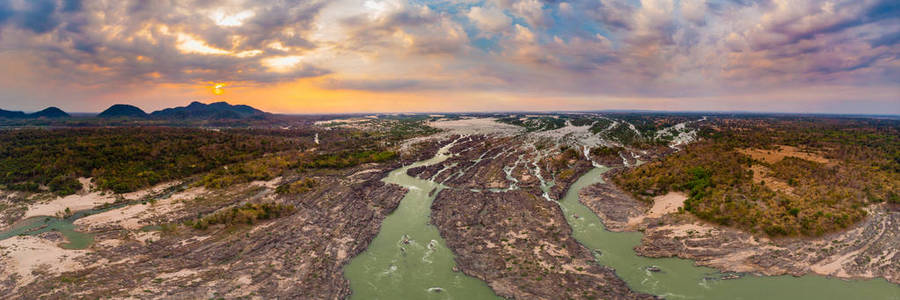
[{"x": 121, "y": 159}]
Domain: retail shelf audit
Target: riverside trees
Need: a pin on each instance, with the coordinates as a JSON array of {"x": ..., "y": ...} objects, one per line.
[{"x": 780, "y": 176}]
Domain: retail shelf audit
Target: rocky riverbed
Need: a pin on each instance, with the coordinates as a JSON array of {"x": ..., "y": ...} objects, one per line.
[
  {"x": 867, "y": 250},
  {"x": 521, "y": 245},
  {"x": 300, "y": 255},
  {"x": 500, "y": 218},
  {"x": 146, "y": 250}
]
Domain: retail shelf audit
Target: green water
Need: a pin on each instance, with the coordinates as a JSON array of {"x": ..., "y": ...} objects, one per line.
[
  {"x": 392, "y": 269},
  {"x": 420, "y": 268},
  {"x": 65, "y": 226},
  {"x": 680, "y": 279}
]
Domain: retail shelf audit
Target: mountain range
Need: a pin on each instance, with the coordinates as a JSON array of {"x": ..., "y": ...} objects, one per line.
[
  {"x": 217, "y": 110},
  {"x": 195, "y": 110}
]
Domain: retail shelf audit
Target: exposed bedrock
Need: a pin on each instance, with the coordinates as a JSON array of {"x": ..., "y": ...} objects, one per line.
[
  {"x": 521, "y": 245},
  {"x": 502, "y": 229}
]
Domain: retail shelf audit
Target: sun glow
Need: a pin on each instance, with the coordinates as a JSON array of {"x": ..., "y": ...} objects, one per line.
[{"x": 218, "y": 88}]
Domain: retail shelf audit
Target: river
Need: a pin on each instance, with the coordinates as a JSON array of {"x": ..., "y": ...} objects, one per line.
[
  {"x": 680, "y": 279},
  {"x": 408, "y": 259},
  {"x": 393, "y": 269}
]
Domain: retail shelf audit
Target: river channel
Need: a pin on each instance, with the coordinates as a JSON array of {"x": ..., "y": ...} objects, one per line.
[{"x": 409, "y": 260}]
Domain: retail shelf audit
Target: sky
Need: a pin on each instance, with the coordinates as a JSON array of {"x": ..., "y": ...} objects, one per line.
[{"x": 345, "y": 56}]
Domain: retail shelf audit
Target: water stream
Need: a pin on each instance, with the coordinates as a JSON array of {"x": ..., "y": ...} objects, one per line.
[
  {"x": 680, "y": 279},
  {"x": 65, "y": 225},
  {"x": 408, "y": 259}
]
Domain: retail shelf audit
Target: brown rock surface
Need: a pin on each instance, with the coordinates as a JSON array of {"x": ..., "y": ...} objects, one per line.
[{"x": 521, "y": 245}]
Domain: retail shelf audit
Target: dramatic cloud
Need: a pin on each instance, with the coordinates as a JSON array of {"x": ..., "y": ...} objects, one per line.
[
  {"x": 489, "y": 19},
  {"x": 687, "y": 51},
  {"x": 96, "y": 42}
]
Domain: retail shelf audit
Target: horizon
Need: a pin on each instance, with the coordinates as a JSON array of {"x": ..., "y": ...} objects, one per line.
[
  {"x": 737, "y": 112},
  {"x": 385, "y": 56}
]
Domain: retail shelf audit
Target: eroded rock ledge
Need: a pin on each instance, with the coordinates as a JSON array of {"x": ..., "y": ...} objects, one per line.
[
  {"x": 502, "y": 229},
  {"x": 521, "y": 245},
  {"x": 867, "y": 250}
]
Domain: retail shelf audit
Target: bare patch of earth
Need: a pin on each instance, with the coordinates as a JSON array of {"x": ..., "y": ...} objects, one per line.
[
  {"x": 23, "y": 258},
  {"x": 662, "y": 205},
  {"x": 782, "y": 151}
]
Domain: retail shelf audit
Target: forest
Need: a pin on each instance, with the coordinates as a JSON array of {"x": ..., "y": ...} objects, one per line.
[
  {"x": 277, "y": 164},
  {"x": 532, "y": 124},
  {"x": 779, "y": 176},
  {"x": 121, "y": 159}
]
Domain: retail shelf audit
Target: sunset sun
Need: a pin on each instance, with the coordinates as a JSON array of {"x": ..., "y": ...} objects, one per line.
[{"x": 218, "y": 88}]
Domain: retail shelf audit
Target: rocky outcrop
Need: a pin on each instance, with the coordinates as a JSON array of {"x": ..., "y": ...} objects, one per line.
[
  {"x": 868, "y": 250},
  {"x": 611, "y": 204},
  {"x": 477, "y": 163},
  {"x": 562, "y": 183},
  {"x": 503, "y": 231},
  {"x": 521, "y": 245}
]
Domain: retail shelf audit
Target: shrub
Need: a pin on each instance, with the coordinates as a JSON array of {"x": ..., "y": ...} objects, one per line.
[
  {"x": 349, "y": 159},
  {"x": 64, "y": 185},
  {"x": 248, "y": 213},
  {"x": 297, "y": 187}
]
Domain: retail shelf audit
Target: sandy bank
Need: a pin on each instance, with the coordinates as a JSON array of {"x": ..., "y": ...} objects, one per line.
[
  {"x": 21, "y": 255},
  {"x": 72, "y": 202},
  {"x": 662, "y": 205},
  {"x": 135, "y": 216},
  {"x": 87, "y": 200}
]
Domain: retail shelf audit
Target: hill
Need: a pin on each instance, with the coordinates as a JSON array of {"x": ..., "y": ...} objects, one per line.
[
  {"x": 123, "y": 111},
  {"x": 12, "y": 114},
  {"x": 50, "y": 112},
  {"x": 217, "y": 110}
]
